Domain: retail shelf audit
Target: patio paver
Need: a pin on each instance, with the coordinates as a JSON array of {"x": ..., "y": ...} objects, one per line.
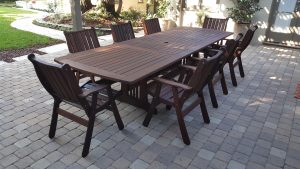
[{"x": 257, "y": 125}]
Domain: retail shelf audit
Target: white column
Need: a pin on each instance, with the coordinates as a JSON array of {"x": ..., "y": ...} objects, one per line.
[
  {"x": 76, "y": 15},
  {"x": 181, "y": 13}
]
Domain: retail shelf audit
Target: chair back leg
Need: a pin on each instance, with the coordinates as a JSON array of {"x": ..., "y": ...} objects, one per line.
[
  {"x": 203, "y": 108},
  {"x": 232, "y": 74}
]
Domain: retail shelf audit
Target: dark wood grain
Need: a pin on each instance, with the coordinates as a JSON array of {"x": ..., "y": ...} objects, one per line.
[
  {"x": 60, "y": 82},
  {"x": 136, "y": 59},
  {"x": 122, "y": 32},
  {"x": 176, "y": 92},
  {"x": 151, "y": 26},
  {"x": 215, "y": 23}
]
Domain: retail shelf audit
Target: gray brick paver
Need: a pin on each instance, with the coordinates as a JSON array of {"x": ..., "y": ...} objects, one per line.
[{"x": 255, "y": 126}]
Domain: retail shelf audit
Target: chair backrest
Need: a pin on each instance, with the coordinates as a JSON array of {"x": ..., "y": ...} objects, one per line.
[
  {"x": 215, "y": 23},
  {"x": 151, "y": 26},
  {"x": 248, "y": 37},
  {"x": 82, "y": 40},
  {"x": 122, "y": 32},
  {"x": 59, "y": 80},
  {"x": 204, "y": 69}
]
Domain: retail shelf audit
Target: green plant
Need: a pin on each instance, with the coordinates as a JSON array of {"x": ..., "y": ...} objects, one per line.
[
  {"x": 59, "y": 18},
  {"x": 133, "y": 15},
  {"x": 52, "y": 7},
  {"x": 97, "y": 13},
  {"x": 243, "y": 10},
  {"x": 201, "y": 15},
  {"x": 162, "y": 8}
]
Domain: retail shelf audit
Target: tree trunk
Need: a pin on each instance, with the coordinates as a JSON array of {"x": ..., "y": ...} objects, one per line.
[
  {"x": 85, "y": 5},
  {"x": 109, "y": 6},
  {"x": 120, "y": 6}
]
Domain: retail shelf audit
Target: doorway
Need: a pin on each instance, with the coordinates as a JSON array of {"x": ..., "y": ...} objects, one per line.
[{"x": 284, "y": 23}]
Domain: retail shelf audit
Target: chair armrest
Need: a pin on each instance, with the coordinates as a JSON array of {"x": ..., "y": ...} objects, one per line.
[
  {"x": 238, "y": 50},
  {"x": 172, "y": 83},
  {"x": 91, "y": 88}
]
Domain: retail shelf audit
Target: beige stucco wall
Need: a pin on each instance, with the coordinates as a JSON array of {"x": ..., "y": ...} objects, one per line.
[
  {"x": 219, "y": 10},
  {"x": 134, "y": 4}
]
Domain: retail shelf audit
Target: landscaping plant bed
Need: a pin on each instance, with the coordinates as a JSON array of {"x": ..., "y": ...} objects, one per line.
[{"x": 8, "y": 55}]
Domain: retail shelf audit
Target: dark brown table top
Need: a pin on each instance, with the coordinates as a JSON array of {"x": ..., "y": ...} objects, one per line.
[{"x": 136, "y": 59}]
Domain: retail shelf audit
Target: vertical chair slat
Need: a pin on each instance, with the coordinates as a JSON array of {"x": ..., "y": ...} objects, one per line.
[
  {"x": 122, "y": 32},
  {"x": 151, "y": 26},
  {"x": 215, "y": 23},
  {"x": 82, "y": 40}
]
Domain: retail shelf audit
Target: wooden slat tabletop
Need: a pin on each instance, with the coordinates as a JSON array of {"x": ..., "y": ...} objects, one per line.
[{"x": 136, "y": 59}]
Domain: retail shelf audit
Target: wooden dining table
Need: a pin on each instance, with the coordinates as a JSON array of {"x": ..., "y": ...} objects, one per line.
[{"x": 135, "y": 61}]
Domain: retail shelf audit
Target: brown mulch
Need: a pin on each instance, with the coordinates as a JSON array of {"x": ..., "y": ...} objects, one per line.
[{"x": 8, "y": 55}]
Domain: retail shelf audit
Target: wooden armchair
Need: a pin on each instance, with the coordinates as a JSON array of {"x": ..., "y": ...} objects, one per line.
[
  {"x": 175, "y": 93},
  {"x": 244, "y": 43},
  {"x": 228, "y": 51},
  {"x": 122, "y": 32},
  {"x": 215, "y": 23},
  {"x": 61, "y": 84},
  {"x": 79, "y": 41},
  {"x": 151, "y": 26}
]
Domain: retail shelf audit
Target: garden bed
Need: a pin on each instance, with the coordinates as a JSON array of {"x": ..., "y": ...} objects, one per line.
[
  {"x": 15, "y": 42},
  {"x": 68, "y": 27},
  {"x": 8, "y": 55},
  {"x": 97, "y": 18}
]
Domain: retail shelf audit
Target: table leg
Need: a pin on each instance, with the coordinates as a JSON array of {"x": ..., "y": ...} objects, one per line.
[{"x": 135, "y": 94}]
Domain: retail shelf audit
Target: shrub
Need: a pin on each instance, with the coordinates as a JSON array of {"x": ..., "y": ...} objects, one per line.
[
  {"x": 133, "y": 15},
  {"x": 59, "y": 18},
  {"x": 162, "y": 8},
  {"x": 201, "y": 15},
  {"x": 243, "y": 10},
  {"x": 98, "y": 14}
]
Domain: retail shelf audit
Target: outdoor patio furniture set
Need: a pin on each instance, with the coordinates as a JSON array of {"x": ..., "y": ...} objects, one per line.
[{"x": 166, "y": 65}]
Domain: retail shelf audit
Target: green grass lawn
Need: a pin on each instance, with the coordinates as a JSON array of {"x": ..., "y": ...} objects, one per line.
[
  {"x": 12, "y": 10},
  {"x": 11, "y": 38}
]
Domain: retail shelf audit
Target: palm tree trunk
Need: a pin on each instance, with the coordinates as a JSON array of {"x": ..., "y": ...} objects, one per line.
[
  {"x": 120, "y": 6},
  {"x": 85, "y": 5},
  {"x": 109, "y": 5}
]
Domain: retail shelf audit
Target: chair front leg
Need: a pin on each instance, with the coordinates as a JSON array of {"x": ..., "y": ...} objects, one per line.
[
  {"x": 91, "y": 113},
  {"x": 180, "y": 118},
  {"x": 232, "y": 74},
  {"x": 223, "y": 82},
  {"x": 212, "y": 94},
  {"x": 203, "y": 108},
  {"x": 240, "y": 66},
  {"x": 54, "y": 118},
  {"x": 89, "y": 133}
]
